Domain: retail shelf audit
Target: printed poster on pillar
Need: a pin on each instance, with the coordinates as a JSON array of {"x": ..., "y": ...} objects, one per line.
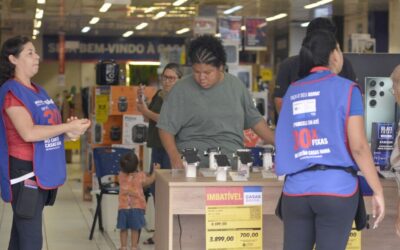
[{"x": 234, "y": 218}]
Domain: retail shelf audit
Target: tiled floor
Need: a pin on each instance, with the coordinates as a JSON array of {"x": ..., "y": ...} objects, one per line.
[{"x": 66, "y": 225}]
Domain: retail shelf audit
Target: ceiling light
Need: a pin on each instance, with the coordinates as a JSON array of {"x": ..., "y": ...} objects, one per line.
[
  {"x": 37, "y": 23},
  {"x": 41, "y": 1},
  {"x": 218, "y": 35},
  {"x": 128, "y": 33},
  {"x": 233, "y": 9},
  {"x": 34, "y": 37},
  {"x": 144, "y": 63},
  {"x": 35, "y": 32},
  {"x": 85, "y": 29},
  {"x": 304, "y": 24},
  {"x": 242, "y": 27},
  {"x": 159, "y": 15},
  {"x": 141, "y": 26},
  {"x": 316, "y": 4},
  {"x": 148, "y": 10},
  {"x": 39, "y": 13},
  {"x": 181, "y": 31},
  {"x": 179, "y": 2},
  {"x": 276, "y": 17},
  {"x": 105, "y": 7},
  {"x": 94, "y": 20}
]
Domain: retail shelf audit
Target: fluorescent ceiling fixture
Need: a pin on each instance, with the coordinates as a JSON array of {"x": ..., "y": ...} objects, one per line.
[
  {"x": 304, "y": 24},
  {"x": 262, "y": 25},
  {"x": 159, "y": 15},
  {"x": 218, "y": 35},
  {"x": 41, "y": 1},
  {"x": 148, "y": 10},
  {"x": 233, "y": 9},
  {"x": 181, "y": 31},
  {"x": 242, "y": 27},
  {"x": 39, "y": 13},
  {"x": 141, "y": 26},
  {"x": 105, "y": 7},
  {"x": 179, "y": 2},
  {"x": 35, "y": 32},
  {"x": 144, "y": 63},
  {"x": 276, "y": 17},
  {"x": 128, "y": 33},
  {"x": 85, "y": 29},
  {"x": 37, "y": 23},
  {"x": 94, "y": 20},
  {"x": 316, "y": 4},
  {"x": 34, "y": 37}
]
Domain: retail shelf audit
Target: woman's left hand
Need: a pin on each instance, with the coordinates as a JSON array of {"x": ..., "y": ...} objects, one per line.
[{"x": 141, "y": 106}]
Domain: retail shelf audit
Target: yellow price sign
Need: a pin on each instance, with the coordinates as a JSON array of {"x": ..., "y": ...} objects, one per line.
[
  {"x": 101, "y": 108},
  {"x": 234, "y": 218}
]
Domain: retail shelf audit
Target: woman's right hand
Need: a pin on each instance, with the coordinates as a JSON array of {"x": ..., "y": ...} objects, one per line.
[
  {"x": 176, "y": 162},
  {"x": 378, "y": 208},
  {"x": 77, "y": 127}
]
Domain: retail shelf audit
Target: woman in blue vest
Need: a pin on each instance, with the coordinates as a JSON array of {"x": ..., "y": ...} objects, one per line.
[
  {"x": 320, "y": 140},
  {"x": 32, "y": 156}
]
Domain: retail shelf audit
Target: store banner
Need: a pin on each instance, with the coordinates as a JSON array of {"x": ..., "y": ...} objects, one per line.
[
  {"x": 229, "y": 28},
  {"x": 256, "y": 34},
  {"x": 204, "y": 25},
  {"x": 117, "y": 48},
  {"x": 234, "y": 218}
]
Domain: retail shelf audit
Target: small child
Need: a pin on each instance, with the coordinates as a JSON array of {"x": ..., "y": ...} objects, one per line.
[{"x": 131, "y": 199}]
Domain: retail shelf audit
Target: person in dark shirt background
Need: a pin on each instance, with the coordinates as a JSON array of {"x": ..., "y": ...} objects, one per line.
[{"x": 289, "y": 69}]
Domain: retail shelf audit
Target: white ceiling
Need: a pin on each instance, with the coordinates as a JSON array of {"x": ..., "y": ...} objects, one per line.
[{"x": 71, "y": 15}]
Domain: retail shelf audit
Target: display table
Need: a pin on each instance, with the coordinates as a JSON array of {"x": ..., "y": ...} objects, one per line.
[
  {"x": 178, "y": 195},
  {"x": 180, "y": 210}
]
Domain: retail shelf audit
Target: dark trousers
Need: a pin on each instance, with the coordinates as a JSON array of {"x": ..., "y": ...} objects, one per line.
[
  {"x": 160, "y": 156},
  {"x": 325, "y": 221},
  {"x": 26, "y": 234}
]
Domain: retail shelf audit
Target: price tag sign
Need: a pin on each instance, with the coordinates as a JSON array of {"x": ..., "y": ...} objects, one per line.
[
  {"x": 234, "y": 218},
  {"x": 354, "y": 242}
]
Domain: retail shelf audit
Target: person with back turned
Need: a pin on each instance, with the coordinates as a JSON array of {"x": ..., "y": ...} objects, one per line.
[{"x": 320, "y": 145}]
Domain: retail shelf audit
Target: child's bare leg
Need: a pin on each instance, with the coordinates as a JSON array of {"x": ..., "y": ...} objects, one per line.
[
  {"x": 123, "y": 236},
  {"x": 134, "y": 239}
]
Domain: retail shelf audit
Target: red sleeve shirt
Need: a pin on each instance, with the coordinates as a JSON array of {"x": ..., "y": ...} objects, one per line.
[{"x": 17, "y": 147}]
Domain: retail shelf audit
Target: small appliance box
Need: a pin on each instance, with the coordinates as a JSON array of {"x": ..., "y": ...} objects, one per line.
[
  {"x": 134, "y": 130},
  {"x": 382, "y": 141},
  {"x": 109, "y": 132},
  {"x": 123, "y": 100}
]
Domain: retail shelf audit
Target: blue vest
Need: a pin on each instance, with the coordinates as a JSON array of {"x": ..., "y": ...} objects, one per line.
[
  {"x": 312, "y": 126},
  {"x": 49, "y": 155}
]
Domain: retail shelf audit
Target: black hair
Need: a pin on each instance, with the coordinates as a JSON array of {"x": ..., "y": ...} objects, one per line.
[
  {"x": 12, "y": 46},
  {"x": 315, "y": 50},
  {"x": 129, "y": 163},
  {"x": 207, "y": 49},
  {"x": 321, "y": 23},
  {"x": 174, "y": 67}
]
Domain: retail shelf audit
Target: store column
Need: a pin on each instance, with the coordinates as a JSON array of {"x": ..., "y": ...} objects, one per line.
[{"x": 394, "y": 26}]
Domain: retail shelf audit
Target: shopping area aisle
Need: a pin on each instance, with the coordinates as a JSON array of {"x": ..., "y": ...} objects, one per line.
[{"x": 67, "y": 224}]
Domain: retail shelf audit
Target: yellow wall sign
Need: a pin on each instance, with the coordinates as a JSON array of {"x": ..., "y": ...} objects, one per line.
[
  {"x": 234, "y": 218},
  {"x": 72, "y": 145},
  {"x": 102, "y": 100}
]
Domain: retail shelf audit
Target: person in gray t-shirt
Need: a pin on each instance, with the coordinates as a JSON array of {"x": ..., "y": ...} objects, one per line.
[{"x": 209, "y": 108}]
